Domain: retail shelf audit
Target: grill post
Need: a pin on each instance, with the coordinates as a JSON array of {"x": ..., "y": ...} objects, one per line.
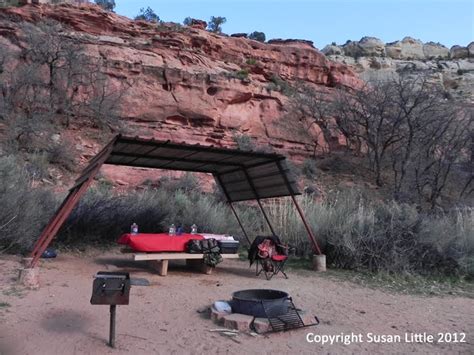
[
  {"x": 113, "y": 308},
  {"x": 111, "y": 288}
]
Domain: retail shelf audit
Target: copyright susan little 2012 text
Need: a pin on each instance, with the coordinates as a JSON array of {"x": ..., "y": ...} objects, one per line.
[{"x": 350, "y": 338}]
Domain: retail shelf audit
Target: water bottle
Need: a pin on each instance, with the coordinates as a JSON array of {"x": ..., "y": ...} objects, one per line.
[
  {"x": 134, "y": 228},
  {"x": 172, "y": 230},
  {"x": 194, "y": 229}
]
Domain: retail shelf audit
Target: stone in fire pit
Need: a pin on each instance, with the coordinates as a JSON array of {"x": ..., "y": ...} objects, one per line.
[{"x": 254, "y": 310}]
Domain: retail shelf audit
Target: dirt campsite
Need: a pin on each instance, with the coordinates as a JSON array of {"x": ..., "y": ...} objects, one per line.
[{"x": 170, "y": 315}]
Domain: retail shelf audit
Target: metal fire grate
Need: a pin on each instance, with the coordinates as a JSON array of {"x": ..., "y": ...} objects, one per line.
[{"x": 288, "y": 321}]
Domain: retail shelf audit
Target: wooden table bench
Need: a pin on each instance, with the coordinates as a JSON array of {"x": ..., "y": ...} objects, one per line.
[{"x": 159, "y": 261}]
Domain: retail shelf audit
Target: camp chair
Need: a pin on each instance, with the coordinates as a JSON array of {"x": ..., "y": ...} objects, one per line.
[{"x": 269, "y": 261}]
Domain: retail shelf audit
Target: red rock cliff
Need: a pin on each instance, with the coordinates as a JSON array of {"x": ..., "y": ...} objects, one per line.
[{"x": 186, "y": 81}]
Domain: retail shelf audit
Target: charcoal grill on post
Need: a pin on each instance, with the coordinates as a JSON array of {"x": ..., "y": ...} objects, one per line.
[{"x": 111, "y": 288}]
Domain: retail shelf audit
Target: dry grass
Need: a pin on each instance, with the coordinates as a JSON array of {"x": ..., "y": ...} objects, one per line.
[{"x": 355, "y": 232}]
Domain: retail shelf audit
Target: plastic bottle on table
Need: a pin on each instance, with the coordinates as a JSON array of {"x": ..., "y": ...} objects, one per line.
[
  {"x": 172, "y": 230},
  {"x": 194, "y": 229},
  {"x": 134, "y": 228}
]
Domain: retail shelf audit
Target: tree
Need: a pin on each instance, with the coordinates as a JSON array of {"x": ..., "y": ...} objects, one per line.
[
  {"x": 215, "y": 24},
  {"x": 108, "y": 5},
  {"x": 258, "y": 36},
  {"x": 188, "y": 21},
  {"x": 147, "y": 15},
  {"x": 53, "y": 83},
  {"x": 415, "y": 140}
]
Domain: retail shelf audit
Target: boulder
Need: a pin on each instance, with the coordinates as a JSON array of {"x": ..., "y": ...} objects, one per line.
[
  {"x": 291, "y": 41},
  {"x": 434, "y": 50},
  {"x": 239, "y": 35},
  {"x": 199, "y": 24},
  {"x": 394, "y": 50},
  {"x": 331, "y": 49},
  {"x": 470, "y": 49},
  {"x": 371, "y": 47},
  {"x": 408, "y": 49},
  {"x": 458, "y": 52},
  {"x": 351, "y": 49},
  {"x": 412, "y": 48},
  {"x": 366, "y": 47}
]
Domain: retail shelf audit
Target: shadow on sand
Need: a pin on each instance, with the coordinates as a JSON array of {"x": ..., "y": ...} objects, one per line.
[
  {"x": 65, "y": 321},
  {"x": 128, "y": 265}
]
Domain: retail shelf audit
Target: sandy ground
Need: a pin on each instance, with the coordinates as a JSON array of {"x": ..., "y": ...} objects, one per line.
[{"x": 163, "y": 318}]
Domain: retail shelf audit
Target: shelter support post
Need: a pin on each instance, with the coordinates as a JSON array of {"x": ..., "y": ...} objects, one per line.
[
  {"x": 257, "y": 197},
  {"x": 265, "y": 215},
  {"x": 306, "y": 225},
  {"x": 300, "y": 212},
  {"x": 56, "y": 222},
  {"x": 219, "y": 181},
  {"x": 69, "y": 203},
  {"x": 240, "y": 223}
]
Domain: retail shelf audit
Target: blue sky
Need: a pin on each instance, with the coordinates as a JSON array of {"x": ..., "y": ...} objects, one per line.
[{"x": 324, "y": 21}]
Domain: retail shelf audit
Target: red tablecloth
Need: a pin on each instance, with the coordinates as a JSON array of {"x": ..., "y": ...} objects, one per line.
[{"x": 157, "y": 242}]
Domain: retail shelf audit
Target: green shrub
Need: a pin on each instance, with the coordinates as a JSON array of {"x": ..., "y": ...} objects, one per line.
[
  {"x": 308, "y": 168},
  {"x": 147, "y": 15},
  {"x": 251, "y": 61},
  {"x": 108, "y": 5},
  {"x": 102, "y": 216},
  {"x": 37, "y": 165},
  {"x": 238, "y": 74},
  {"x": 357, "y": 233},
  {"x": 215, "y": 24},
  {"x": 258, "y": 36},
  {"x": 63, "y": 155},
  {"x": 354, "y": 231},
  {"x": 242, "y": 74},
  {"x": 280, "y": 85},
  {"x": 187, "y": 182},
  {"x": 244, "y": 142},
  {"x": 24, "y": 210}
]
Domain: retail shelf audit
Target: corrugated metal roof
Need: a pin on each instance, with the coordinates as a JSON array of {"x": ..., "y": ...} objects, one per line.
[{"x": 241, "y": 175}]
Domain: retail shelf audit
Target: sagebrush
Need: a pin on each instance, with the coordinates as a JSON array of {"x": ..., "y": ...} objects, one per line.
[{"x": 355, "y": 232}]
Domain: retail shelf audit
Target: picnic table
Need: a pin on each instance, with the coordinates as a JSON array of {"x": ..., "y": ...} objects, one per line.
[{"x": 158, "y": 248}]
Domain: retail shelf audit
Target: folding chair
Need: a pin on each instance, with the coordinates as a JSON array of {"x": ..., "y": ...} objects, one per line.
[
  {"x": 271, "y": 262},
  {"x": 271, "y": 266}
]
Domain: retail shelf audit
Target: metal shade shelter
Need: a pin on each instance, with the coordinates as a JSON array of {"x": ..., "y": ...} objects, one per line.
[{"x": 241, "y": 176}]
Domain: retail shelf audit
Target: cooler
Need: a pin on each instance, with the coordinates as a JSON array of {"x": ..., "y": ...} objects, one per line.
[{"x": 228, "y": 246}]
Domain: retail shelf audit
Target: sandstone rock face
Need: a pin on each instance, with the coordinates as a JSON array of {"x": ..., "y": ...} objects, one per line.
[
  {"x": 407, "y": 48},
  {"x": 199, "y": 24},
  {"x": 458, "y": 52},
  {"x": 332, "y": 50},
  {"x": 185, "y": 83},
  {"x": 451, "y": 69},
  {"x": 470, "y": 49},
  {"x": 372, "y": 46},
  {"x": 367, "y": 46},
  {"x": 240, "y": 34},
  {"x": 433, "y": 50},
  {"x": 292, "y": 42}
]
